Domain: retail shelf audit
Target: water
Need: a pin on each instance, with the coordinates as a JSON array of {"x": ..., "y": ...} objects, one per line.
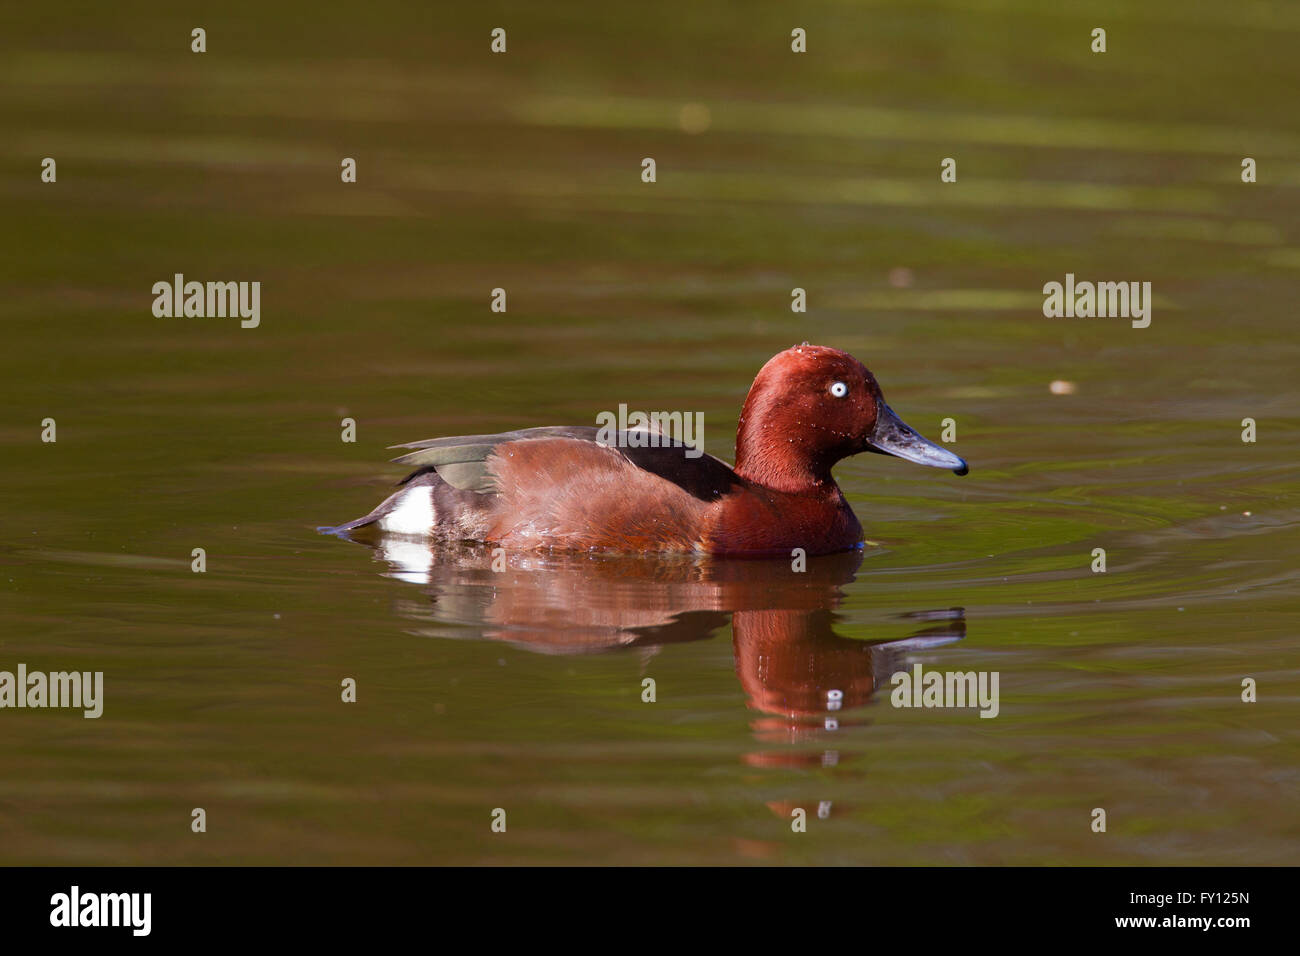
[{"x": 523, "y": 690}]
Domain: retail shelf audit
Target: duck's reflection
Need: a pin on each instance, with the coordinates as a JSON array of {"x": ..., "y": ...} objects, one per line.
[{"x": 803, "y": 679}]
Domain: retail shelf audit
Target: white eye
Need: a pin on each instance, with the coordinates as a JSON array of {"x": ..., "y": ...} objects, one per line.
[{"x": 839, "y": 390}]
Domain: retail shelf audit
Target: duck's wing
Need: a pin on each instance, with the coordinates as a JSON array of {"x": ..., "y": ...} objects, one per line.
[
  {"x": 463, "y": 463},
  {"x": 586, "y": 432}
]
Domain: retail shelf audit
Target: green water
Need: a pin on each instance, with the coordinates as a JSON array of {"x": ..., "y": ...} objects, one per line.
[{"x": 522, "y": 690}]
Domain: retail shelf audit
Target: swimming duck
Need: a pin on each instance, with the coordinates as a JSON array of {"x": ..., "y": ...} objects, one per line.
[{"x": 571, "y": 488}]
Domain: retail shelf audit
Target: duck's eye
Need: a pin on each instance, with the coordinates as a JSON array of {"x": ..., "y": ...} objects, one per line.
[{"x": 839, "y": 389}]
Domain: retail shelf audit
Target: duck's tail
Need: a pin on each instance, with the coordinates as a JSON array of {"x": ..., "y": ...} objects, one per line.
[{"x": 425, "y": 505}]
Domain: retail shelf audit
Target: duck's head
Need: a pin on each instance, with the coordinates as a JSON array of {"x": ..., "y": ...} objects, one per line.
[{"x": 811, "y": 406}]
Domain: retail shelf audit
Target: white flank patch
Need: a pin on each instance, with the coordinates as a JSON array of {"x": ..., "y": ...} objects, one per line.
[{"x": 413, "y": 514}]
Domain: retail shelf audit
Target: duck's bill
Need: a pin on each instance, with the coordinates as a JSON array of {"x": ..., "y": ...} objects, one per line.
[{"x": 893, "y": 436}]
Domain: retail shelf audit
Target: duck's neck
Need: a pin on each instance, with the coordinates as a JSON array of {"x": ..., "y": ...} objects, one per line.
[{"x": 768, "y": 453}]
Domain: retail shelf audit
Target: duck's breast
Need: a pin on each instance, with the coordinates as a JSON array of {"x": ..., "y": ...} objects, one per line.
[{"x": 757, "y": 520}]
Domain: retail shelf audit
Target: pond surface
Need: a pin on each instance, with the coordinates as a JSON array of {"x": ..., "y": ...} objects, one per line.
[{"x": 522, "y": 689}]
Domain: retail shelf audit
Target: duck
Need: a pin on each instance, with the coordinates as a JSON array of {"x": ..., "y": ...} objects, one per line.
[{"x": 576, "y": 488}]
